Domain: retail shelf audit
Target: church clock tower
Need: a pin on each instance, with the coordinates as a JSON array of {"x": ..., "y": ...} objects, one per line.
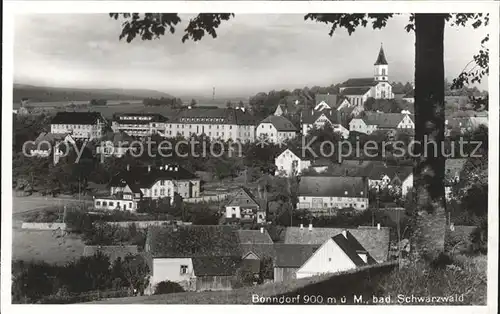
[{"x": 381, "y": 67}]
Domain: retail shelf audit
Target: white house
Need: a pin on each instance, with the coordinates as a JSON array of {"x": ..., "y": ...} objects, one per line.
[
  {"x": 383, "y": 176},
  {"x": 139, "y": 124},
  {"x": 291, "y": 162},
  {"x": 276, "y": 129},
  {"x": 358, "y": 90},
  {"x": 217, "y": 124},
  {"x": 323, "y": 195},
  {"x": 115, "y": 144},
  {"x": 410, "y": 97},
  {"x": 124, "y": 202},
  {"x": 81, "y": 125},
  {"x": 339, "y": 253},
  {"x": 372, "y": 121}
]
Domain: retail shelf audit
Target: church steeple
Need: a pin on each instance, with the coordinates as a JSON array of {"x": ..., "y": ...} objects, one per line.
[
  {"x": 381, "y": 72},
  {"x": 381, "y": 60}
]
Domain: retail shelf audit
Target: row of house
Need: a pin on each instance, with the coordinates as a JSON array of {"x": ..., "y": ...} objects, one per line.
[
  {"x": 210, "y": 257},
  {"x": 128, "y": 187}
]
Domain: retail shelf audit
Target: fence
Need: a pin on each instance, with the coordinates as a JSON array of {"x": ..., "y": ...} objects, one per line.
[{"x": 44, "y": 226}]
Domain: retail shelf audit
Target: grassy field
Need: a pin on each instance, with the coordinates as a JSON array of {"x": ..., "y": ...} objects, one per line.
[{"x": 37, "y": 245}]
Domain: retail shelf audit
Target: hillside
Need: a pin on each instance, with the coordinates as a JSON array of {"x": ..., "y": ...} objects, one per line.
[{"x": 56, "y": 94}]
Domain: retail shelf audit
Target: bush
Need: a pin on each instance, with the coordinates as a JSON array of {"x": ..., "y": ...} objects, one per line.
[{"x": 166, "y": 287}]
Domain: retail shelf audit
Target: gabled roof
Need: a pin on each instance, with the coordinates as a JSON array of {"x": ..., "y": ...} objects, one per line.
[
  {"x": 332, "y": 186},
  {"x": 281, "y": 124},
  {"x": 352, "y": 247},
  {"x": 112, "y": 251},
  {"x": 297, "y": 151},
  {"x": 293, "y": 255},
  {"x": 248, "y": 193},
  {"x": 355, "y": 91},
  {"x": 360, "y": 82},
  {"x": 254, "y": 237},
  {"x": 216, "y": 265},
  {"x": 193, "y": 241},
  {"x": 384, "y": 120},
  {"x": 63, "y": 117},
  {"x": 311, "y": 117},
  {"x": 214, "y": 116},
  {"x": 381, "y": 60},
  {"x": 330, "y": 99},
  {"x": 261, "y": 250},
  {"x": 142, "y": 178},
  {"x": 375, "y": 241}
]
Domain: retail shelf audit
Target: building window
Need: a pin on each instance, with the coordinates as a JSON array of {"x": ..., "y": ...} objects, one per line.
[
  {"x": 110, "y": 203},
  {"x": 98, "y": 203},
  {"x": 184, "y": 269}
]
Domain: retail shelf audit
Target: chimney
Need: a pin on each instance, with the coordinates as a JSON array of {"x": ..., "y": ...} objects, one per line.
[
  {"x": 378, "y": 226},
  {"x": 344, "y": 233},
  {"x": 301, "y": 226},
  {"x": 310, "y": 227},
  {"x": 261, "y": 229},
  {"x": 149, "y": 168}
]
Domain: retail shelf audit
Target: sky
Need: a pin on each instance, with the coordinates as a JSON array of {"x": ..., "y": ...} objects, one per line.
[{"x": 252, "y": 53}]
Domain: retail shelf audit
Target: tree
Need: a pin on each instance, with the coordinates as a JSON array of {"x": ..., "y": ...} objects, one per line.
[
  {"x": 136, "y": 272},
  {"x": 429, "y": 92}
]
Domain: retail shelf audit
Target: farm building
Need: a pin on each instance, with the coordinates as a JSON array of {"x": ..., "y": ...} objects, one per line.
[{"x": 290, "y": 258}]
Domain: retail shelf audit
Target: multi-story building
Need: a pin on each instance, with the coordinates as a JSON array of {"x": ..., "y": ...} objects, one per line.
[
  {"x": 323, "y": 195},
  {"x": 81, "y": 125},
  {"x": 139, "y": 124},
  {"x": 276, "y": 129},
  {"x": 217, "y": 124}
]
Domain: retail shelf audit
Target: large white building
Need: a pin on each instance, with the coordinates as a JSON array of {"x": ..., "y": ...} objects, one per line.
[
  {"x": 80, "y": 125},
  {"x": 322, "y": 195},
  {"x": 276, "y": 129},
  {"x": 139, "y": 124},
  {"x": 358, "y": 90},
  {"x": 218, "y": 124}
]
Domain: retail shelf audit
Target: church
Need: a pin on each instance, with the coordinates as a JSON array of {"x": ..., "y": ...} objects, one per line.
[{"x": 358, "y": 90}]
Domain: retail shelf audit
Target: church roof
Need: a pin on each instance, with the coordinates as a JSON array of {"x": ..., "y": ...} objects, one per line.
[{"x": 381, "y": 60}]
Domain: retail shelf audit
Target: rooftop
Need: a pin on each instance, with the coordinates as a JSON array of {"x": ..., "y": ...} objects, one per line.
[
  {"x": 333, "y": 186},
  {"x": 281, "y": 124},
  {"x": 77, "y": 118}
]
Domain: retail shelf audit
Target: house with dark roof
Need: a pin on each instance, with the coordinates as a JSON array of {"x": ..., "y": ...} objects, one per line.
[
  {"x": 339, "y": 253},
  {"x": 358, "y": 90},
  {"x": 256, "y": 245},
  {"x": 197, "y": 257},
  {"x": 139, "y": 124},
  {"x": 81, "y": 125},
  {"x": 370, "y": 122},
  {"x": 244, "y": 207},
  {"x": 289, "y": 258},
  {"x": 409, "y": 97},
  {"x": 151, "y": 182},
  {"x": 215, "y": 123},
  {"x": 290, "y": 106},
  {"x": 374, "y": 239},
  {"x": 318, "y": 119},
  {"x": 324, "y": 195},
  {"x": 276, "y": 129},
  {"x": 292, "y": 161}
]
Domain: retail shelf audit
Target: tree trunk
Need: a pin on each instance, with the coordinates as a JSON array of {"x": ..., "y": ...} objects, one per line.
[{"x": 430, "y": 216}]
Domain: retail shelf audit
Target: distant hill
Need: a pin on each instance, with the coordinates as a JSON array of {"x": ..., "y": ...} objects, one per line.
[{"x": 56, "y": 94}]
